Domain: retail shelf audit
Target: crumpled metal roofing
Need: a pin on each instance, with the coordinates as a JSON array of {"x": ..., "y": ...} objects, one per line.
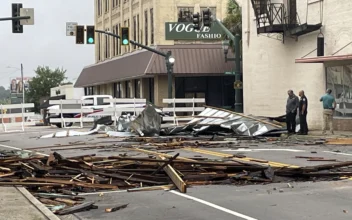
[{"x": 238, "y": 123}]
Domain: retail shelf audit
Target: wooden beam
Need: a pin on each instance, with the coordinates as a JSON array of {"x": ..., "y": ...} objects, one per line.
[{"x": 176, "y": 179}]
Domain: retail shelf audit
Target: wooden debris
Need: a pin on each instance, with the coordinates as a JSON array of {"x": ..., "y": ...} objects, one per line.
[{"x": 116, "y": 208}]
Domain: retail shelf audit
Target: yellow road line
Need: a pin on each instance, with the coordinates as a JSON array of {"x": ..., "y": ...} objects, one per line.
[{"x": 246, "y": 159}]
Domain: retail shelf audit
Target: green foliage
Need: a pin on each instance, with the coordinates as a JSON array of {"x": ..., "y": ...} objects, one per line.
[
  {"x": 41, "y": 84},
  {"x": 5, "y": 95},
  {"x": 233, "y": 20}
]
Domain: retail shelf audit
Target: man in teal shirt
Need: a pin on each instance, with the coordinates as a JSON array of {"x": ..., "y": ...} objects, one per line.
[{"x": 329, "y": 105}]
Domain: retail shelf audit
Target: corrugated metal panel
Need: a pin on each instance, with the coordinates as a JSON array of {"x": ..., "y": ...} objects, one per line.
[
  {"x": 193, "y": 59},
  {"x": 124, "y": 67}
]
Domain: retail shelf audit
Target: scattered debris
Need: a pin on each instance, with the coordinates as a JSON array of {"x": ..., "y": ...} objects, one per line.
[{"x": 116, "y": 208}]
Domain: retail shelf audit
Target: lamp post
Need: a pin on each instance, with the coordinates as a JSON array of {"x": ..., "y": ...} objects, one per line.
[
  {"x": 225, "y": 47},
  {"x": 170, "y": 60}
]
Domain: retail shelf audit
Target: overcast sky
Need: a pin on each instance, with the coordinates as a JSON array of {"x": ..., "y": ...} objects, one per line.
[{"x": 45, "y": 43}]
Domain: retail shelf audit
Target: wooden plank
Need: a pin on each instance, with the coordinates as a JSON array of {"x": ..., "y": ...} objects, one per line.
[
  {"x": 15, "y": 115},
  {"x": 187, "y": 100},
  {"x": 70, "y": 101},
  {"x": 65, "y": 182},
  {"x": 176, "y": 179},
  {"x": 84, "y": 110},
  {"x": 114, "y": 209},
  {"x": 184, "y": 109},
  {"x": 14, "y": 106},
  {"x": 125, "y": 100}
]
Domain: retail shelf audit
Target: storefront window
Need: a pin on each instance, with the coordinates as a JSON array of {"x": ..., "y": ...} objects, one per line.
[
  {"x": 137, "y": 88},
  {"x": 339, "y": 79}
]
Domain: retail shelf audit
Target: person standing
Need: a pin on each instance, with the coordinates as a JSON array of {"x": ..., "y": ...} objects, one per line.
[
  {"x": 291, "y": 112},
  {"x": 329, "y": 105},
  {"x": 302, "y": 111}
]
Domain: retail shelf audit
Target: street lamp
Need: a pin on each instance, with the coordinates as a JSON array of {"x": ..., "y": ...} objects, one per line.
[
  {"x": 21, "y": 79},
  {"x": 170, "y": 61},
  {"x": 225, "y": 47}
]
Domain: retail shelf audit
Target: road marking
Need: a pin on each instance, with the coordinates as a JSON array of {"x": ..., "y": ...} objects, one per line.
[
  {"x": 214, "y": 206},
  {"x": 250, "y": 150},
  {"x": 246, "y": 159},
  {"x": 331, "y": 152},
  {"x": 16, "y": 148}
]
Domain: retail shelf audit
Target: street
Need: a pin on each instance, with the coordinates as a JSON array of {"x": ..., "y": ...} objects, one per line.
[{"x": 296, "y": 200}]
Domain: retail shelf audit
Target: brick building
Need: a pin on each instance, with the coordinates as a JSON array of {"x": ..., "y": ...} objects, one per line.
[
  {"x": 279, "y": 53},
  {"x": 128, "y": 71}
]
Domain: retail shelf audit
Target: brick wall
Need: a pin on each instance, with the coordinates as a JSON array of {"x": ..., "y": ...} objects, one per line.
[{"x": 342, "y": 124}]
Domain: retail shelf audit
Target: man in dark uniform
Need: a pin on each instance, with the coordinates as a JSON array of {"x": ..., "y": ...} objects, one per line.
[
  {"x": 303, "y": 106},
  {"x": 291, "y": 112}
]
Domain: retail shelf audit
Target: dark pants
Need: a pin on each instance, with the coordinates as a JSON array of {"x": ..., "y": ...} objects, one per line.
[
  {"x": 303, "y": 123},
  {"x": 291, "y": 122}
]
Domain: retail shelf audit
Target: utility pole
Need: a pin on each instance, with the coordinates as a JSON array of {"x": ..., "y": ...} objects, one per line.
[{"x": 238, "y": 73}]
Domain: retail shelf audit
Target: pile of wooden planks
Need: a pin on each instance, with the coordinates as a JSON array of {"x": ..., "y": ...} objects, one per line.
[{"x": 57, "y": 181}]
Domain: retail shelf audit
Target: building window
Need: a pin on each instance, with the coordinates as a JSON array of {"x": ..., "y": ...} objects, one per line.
[
  {"x": 118, "y": 31},
  {"x": 339, "y": 80},
  {"x": 146, "y": 28},
  {"x": 99, "y": 7},
  {"x": 128, "y": 89},
  {"x": 99, "y": 47},
  {"x": 151, "y": 26},
  {"x": 212, "y": 10},
  {"x": 107, "y": 45},
  {"x": 118, "y": 90},
  {"x": 107, "y": 6},
  {"x": 134, "y": 30},
  {"x": 138, "y": 30},
  {"x": 129, "y": 30},
  {"x": 151, "y": 90},
  {"x": 89, "y": 90},
  {"x": 114, "y": 42},
  {"x": 137, "y": 88},
  {"x": 185, "y": 14}
]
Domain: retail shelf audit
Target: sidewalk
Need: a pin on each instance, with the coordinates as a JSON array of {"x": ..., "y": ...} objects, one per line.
[{"x": 17, "y": 204}]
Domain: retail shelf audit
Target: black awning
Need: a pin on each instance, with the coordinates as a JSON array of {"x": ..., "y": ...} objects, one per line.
[{"x": 46, "y": 103}]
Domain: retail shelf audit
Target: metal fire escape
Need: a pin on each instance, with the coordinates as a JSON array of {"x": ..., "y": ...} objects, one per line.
[{"x": 281, "y": 19}]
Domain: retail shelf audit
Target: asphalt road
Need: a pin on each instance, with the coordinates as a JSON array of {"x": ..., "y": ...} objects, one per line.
[{"x": 308, "y": 200}]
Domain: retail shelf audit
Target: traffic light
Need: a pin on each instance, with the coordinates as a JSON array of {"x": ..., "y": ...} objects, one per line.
[
  {"x": 196, "y": 21},
  {"x": 206, "y": 17},
  {"x": 90, "y": 35},
  {"x": 16, "y": 24},
  {"x": 79, "y": 34},
  {"x": 125, "y": 36}
]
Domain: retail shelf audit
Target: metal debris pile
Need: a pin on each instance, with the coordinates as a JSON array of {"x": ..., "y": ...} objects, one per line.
[{"x": 58, "y": 181}]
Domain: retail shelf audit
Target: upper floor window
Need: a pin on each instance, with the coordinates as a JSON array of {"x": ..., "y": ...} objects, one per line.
[
  {"x": 212, "y": 10},
  {"x": 134, "y": 30},
  {"x": 107, "y": 5},
  {"x": 151, "y": 26},
  {"x": 146, "y": 28},
  {"x": 185, "y": 14},
  {"x": 99, "y": 47},
  {"x": 99, "y": 8},
  {"x": 138, "y": 30}
]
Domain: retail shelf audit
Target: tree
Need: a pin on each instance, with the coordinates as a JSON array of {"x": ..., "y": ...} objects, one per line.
[
  {"x": 5, "y": 95},
  {"x": 41, "y": 84},
  {"x": 233, "y": 20}
]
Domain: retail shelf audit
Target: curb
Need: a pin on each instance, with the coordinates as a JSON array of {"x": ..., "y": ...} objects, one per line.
[{"x": 42, "y": 208}]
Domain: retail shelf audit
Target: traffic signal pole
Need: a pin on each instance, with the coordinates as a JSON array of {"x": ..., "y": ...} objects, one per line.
[
  {"x": 15, "y": 18},
  {"x": 168, "y": 55},
  {"x": 238, "y": 73}
]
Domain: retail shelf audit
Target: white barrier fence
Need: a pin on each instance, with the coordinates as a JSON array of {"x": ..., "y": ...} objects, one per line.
[
  {"x": 5, "y": 109},
  {"x": 119, "y": 105},
  {"x": 71, "y": 106},
  {"x": 189, "y": 111}
]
